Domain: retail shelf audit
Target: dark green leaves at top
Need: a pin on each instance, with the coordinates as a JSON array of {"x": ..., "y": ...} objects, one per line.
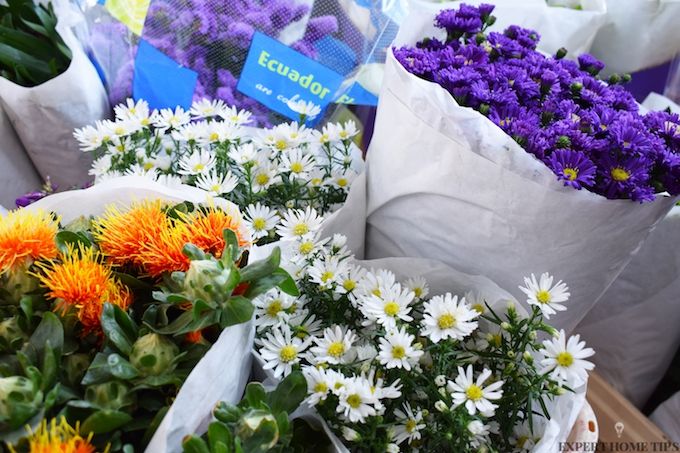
[
  {"x": 289, "y": 394},
  {"x": 119, "y": 328},
  {"x": 64, "y": 239}
]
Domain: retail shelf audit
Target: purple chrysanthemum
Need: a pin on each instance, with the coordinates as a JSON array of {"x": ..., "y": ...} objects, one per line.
[{"x": 572, "y": 167}]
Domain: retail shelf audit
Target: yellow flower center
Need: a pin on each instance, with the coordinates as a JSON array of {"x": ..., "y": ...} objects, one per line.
[
  {"x": 296, "y": 167},
  {"x": 320, "y": 387},
  {"x": 474, "y": 393},
  {"x": 391, "y": 308},
  {"x": 216, "y": 188},
  {"x": 281, "y": 145},
  {"x": 411, "y": 425},
  {"x": 619, "y": 174},
  {"x": 626, "y": 144},
  {"x": 145, "y": 122},
  {"x": 376, "y": 292},
  {"x": 199, "y": 167},
  {"x": 288, "y": 353},
  {"x": 342, "y": 182},
  {"x": 479, "y": 308},
  {"x": 565, "y": 359},
  {"x": 543, "y": 296},
  {"x": 259, "y": 224},
  {"x": 336, "y": 349},
  {"x": 328, "y": 275},
  {"x": 300, "y": 229},
  {"x": 521, "y": 441},
  {"x": 316, "y": 181},
  {"x": 496, "y": 340},
  {"x": 343, "y": 134},
  {"x": 262, "y": 179},
  {"x": 354, "y": 401},
  {"x": 119, "y": 131},
  {"x": 349, "y": 285},
  {"x": 570, "y": 173},
  {"x": 446, "y": 321},
  {"x": 418, "y": 292},
  {"x": 324, "y": 138},
  {"x": 398, "y": 352},
  {"x": 274, "y": 308},
  {"x": 306, "y": 247},
  {"x": 214, "y": 137},
  {"x": 148, "y": 166}
]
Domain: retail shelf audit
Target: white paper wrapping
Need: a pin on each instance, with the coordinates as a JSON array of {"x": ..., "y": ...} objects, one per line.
[
  {"x": 44, "y": 116},
  {"x": 441, "y": 279},
  {"x": 639, "y": 34},
  {"x": 445, "y": 183},
  {"x": 17, "y": 174},
  {"x": 559, "y": 27},
  {"x": 667, "y": 417},
  {"x": 222, "y": 373}
]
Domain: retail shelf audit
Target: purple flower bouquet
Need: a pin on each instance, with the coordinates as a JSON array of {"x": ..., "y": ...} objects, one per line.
[{"x": 481, "y": 143}]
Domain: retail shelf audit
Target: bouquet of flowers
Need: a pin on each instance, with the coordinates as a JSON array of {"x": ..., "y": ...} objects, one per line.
[
  {"x": 107, "y": 319},
  {"x": 504, "y": 135},
  {"x": 262, "y": 171},
  {"x": 389, "y": 367}
]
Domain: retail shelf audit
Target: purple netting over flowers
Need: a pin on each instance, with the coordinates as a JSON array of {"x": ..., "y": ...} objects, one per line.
[{"x": 589, "y": 132}]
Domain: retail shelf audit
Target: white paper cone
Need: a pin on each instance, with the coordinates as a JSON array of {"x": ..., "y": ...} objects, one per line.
[
  {"x": 45, "y": 116},
  {"x": 666, "y": 417}
]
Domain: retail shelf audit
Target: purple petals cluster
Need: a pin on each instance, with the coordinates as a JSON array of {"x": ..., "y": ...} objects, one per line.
[{"x": 589, "y": 132}]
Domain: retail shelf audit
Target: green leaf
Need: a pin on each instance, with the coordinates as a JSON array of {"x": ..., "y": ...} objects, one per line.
[
  {"x": 49, "y": 330},
  {"x": 237, "y": 310},
  {"x": 265, "y": 434},
  {"x": 104, "y": 421},
  {"x": 175, "y": 326},
  {"x": 255, "y": 394},
  {"x": 194, "y": 444},
  {"x": 121, "y": 368},
  {"x": 194, "y": 253},
  {"x": 227, "y": 413},
  {"x": 265, "y": 283},
  {"x": 288, "y": 285},
  {"x": 289, "y": 394},
  {"x": 262, "y": 268},
  {"x": 132, "y": 282},
  {"x": 118, "y": 328},
  {"x": 155, "y": 423},
  {"x": 231, "y": 248},
  {"x": 66, "y": 238},
  {"x": 49, "y": 367},
  {"x": 219, "y": 433},
  {"x": 99, "y": 370}
]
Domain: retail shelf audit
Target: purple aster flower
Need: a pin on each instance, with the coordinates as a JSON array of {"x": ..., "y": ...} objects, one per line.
[
  {"x": 621, "y": 176},
  {"x": 240, "y": 34},
  {"x": 572, "y": 167},
  {"x": 525, "y": 37},
  {"x": 31, "y": 197},
  {"x": 629, "y": 136},
  {"x": 590, "y": 64},
  {"x": 456, "y": 23}
]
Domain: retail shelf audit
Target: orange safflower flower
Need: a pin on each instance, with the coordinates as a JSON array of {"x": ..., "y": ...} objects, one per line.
[
  {"x": 205, "y": 229},
  {"x": 26, "y": 235},
  {"x": 81, "y": 282},
  {"x": 121, "y": 234},
  {"x": 163, "y": 251},
  {"x": 59, "y": 437}
]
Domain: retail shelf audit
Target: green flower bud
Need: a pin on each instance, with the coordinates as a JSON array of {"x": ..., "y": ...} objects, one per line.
[
  {"x": 19, "y": 401},
  {"x": 561, "y": 53},
  {"x": 505, "y": 325},
  {"x": 528, "y": 358},
  {"x": 75, "y": 366},
  {"x": 153, "y": 354},
  {"x": 112, "y": 395},
  {"x": 17, "y": 282},
  {"x": 206, "y": 280},
  {"x": 11, "y": 335},
  {"x": 251, "y": 423}
]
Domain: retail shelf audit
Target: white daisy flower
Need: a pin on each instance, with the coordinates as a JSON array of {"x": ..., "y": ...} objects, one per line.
[
  {"x": 523, "y": 439},
  {"x": 334, "y": 347},
  {"x": 349, "y": 434},
  {"x": 280, "y": 350},
  {"x": 264, "y": 176},
  {"x": 410, "y": 424},
  {"x": 446, "y": 317},
  {"x": 134, "y": 111},
  {"x": 235, "y": 116},
  {"x": 392, "y": 304},
  {"x": 138, "y": 170},
  {"x": 297, "y": 223},
  {"x": 172, "y": 181},
  {"x": 271, "y": 308},
  {"x": 419, "y": 287},
  {"x": 307, "y": 246},
  {"x": 350, "y": 281},
  {"x": 217, "y": 184},
  {"x": 218, "y": 131},
  {"x": 243, "y": 155},
  {"x": 206, "y": 108},
  {"x": 356, "y": 401},
  {"x": 261, "y": 220},
  {"x": 329, "y": 133},
  {"x": 398, "y": 351},
  {"x": 392, "y": 391},
  {"x": 327, "y": 271},
  {"x": 476, "y": 301},
  {"x": 306, "y": 109},
  {"x": 342, "y": 179},
  {"x": 317, "y": 178},
  {"x": 565, "y": 359},
  {"x": 89, "y": 138},
  {"x": 101, "y": 166},
  {"x": 392, "y": 448},
  {"x": 336, "y": 381},
  {"x": 366, "y": 352},
  {"x": 191, "y": 133},
  {"x": 376, "y": 282},
  {"x": 542, "y": 294},
  {"x": 348, "y": 130},
  {"x": 196, "y": 163},
  {"x": 480, "y": 433},
  {"x": 169, "y": 119},
  {"x": 298, "y": 164},
  {"x": 120, "y": 128},
  {"x": 304, "y": 324},
  {"x": 476, "y": 397},
  {"x": 118, "y": 145},
  {"x": 318, "y": 385},
  {"x": 163, "y": 161}
]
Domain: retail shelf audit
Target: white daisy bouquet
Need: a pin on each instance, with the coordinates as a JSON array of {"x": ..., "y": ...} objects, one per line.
[
  {"x": 389, "y": 368},
  {"x": 211, "y": 147}
]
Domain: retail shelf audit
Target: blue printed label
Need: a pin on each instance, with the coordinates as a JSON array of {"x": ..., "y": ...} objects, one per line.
[
  {"x": 357, "y": 95},
  {"x": 274, "y": 73}
]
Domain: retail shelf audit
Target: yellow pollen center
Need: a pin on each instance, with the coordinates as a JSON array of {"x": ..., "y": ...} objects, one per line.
[
  {"x": 336, "y": 349},
  {"x": 354, "y": 401},
  {"x": 342, "y": 182},
  {"x": 328, "y": 275},
  {"x": 349, "y": 285},
  {"x": 626, "y": 144},
  {"x": 376, "y": 292},
  {"x": 300, "y": 229},
  {"x": 411, "y": 425},
  {"x": 320, "y": 387},
  {"x": 306, "y": 247},
  {"x": 288, "y": 353},
  {"x": 274, "y": 308},
  {"x": 474, "y": 393},
  {"x": 259, "y": 224},
  {"x": 479, "y": 308},
  {"x": 262, "y": 179},
  {"x": 316, "y": 181},
  {"x": 391, "y": 308},
  {"x": 199, "y": 167},
  {"x": 565, "y": 359},
  {"x": 214, "y": 137},
  {"x": 119, "y": 131},
  {"x": 281, "y": 145},
  {"x": 543, "y": 296},
  {"x": 570, "y": 173},
  {"x": 324, "y": 138},
  {"x": 398, "y": 352},
  {"x": 148, "y": 166},
  {"x": 343, "y": 134},
  {"x": 296, "y": 167},
  {"x": 446, "y": 321},
  {"x": 521, "y": 441},
  {"x": 216, "y": 188},
  {"x": 619, "y": 174},
  {"x": 418, "y": 292}
]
